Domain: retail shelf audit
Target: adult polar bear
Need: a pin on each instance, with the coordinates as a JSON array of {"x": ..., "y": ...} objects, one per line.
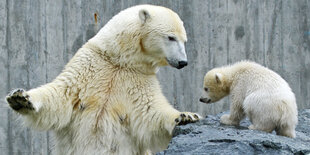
[{"x": 108, "y": 100}]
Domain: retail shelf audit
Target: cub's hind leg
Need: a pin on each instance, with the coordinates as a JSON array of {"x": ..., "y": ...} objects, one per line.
[{"x": 286, "y": 131}]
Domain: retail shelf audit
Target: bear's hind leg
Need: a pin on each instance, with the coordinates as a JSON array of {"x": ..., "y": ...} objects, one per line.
[
  {"x": 286, "y": 131},
  {"x": 261, "y": 123},
  {"x": 261, "y": 128}
]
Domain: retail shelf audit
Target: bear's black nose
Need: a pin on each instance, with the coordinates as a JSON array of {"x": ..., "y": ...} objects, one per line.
[
  {"x": 205, "y": 100},
  {"x": 201, "y": 100},
  {"x": 182, "y": 64}
]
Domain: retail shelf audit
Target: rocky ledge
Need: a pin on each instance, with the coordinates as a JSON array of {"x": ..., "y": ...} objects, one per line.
[{"x": 210, "y": 137}]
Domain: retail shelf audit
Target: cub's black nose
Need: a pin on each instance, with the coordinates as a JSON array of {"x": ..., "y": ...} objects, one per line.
[
  {"x": 182, "y": 64},
  {"x": 205, "y": 100},
  {"x": 201, "y": 100}
]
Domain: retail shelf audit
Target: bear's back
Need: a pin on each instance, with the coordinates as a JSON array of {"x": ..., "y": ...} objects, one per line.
[{"x": 256, "y": 76}]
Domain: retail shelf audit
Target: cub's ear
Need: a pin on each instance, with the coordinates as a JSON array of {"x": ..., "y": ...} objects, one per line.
[
  {"x": 218, "y": 78},
  {"x": 144, "y": 15}
]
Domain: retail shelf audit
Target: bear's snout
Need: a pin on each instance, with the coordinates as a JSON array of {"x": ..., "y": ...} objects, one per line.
[
  {"x": 205, "y": 100},
  {"x": 182, "y": 64}
]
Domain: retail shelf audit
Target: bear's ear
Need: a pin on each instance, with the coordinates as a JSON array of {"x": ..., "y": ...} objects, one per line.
[
  {"x": 218, "y": 78},
  {"x": 144, "y": 15}
]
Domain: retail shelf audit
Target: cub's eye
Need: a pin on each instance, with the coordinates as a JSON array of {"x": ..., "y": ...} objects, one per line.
[
  {"x": 206, "y": 89},
  {"x": 172, "y": 38}
]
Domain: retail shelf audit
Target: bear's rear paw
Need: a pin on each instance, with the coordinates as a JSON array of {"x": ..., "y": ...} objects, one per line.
[
  {"x": 187, "y": 117},
  {"x": 19, "y": 100},
  {"x": 288, "y": 132}
]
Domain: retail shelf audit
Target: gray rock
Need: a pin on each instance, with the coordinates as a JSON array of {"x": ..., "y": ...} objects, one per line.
[{"x": 210, "y": 137}]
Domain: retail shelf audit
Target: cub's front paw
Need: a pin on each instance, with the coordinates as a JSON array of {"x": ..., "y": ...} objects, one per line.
[
  {"x": 252, "y": 127},
  {"x": 187, "y": 117},
  {"x": 19, "y": 100},
  {"x": 225, "y": 119}
]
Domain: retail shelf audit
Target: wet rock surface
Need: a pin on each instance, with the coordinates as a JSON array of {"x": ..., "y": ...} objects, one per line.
[{"x": 210, "y": 137}]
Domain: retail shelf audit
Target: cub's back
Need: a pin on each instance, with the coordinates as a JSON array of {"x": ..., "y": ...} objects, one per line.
[{"x": 256, "y": 76}]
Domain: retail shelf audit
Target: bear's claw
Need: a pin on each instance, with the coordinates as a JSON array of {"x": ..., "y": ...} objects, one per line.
[
  {"x": 18, "y": 100},
  {"x": 187, "y": 117}
]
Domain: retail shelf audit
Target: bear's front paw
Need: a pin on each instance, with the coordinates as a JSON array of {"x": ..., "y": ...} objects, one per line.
[
  {"x": 187, "y": 117},
  {"x": 252, "y": 127},
  {"x": 19, "y": 100},
  {"x": 225, "y": 119}
]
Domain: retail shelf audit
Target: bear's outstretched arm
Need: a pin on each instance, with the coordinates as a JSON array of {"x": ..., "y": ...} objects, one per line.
[
  {"x": 42, "y": 108},
  {"x": 162, "y": 118},
  {"x": 172, "y": 117},
  {"x": 180, "y": 118}
]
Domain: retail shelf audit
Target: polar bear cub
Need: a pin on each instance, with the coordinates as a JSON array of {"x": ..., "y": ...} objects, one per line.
[{"x": 256, "y": 92}]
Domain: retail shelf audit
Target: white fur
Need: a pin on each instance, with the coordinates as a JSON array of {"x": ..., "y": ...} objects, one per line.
[
  {"x": 256, "y": 92},
  {"x": 108, "y": 100}
]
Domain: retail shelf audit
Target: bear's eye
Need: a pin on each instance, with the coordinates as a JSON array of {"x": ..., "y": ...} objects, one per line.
[
  {"x": 206, "y": 89},
  {"x": 171, "y": 38}
]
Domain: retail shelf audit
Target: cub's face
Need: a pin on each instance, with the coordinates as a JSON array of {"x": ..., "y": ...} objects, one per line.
[
  {"x": 214, "y": 87},
  {"x": 164, "y": 38}
]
